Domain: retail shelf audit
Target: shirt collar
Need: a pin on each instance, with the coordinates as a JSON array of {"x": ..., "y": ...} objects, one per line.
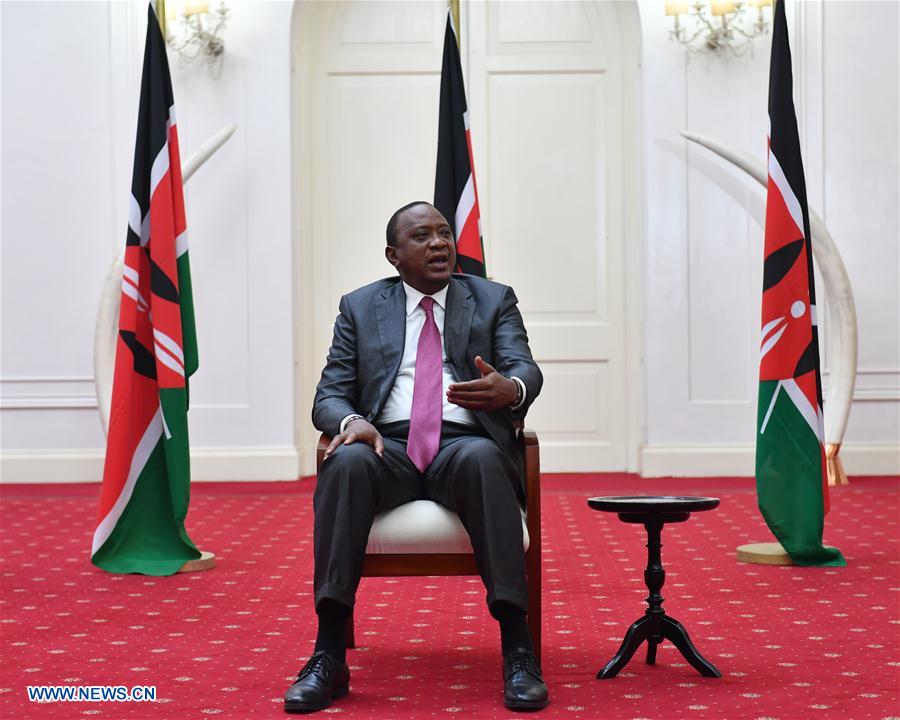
[{"x": 414, "y": 297}]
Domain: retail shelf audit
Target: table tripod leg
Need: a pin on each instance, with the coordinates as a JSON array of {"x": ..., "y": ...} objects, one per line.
[
  {"x": 674, "y": 631},
  {"x": 652, "y": 643},
  {"x": 637, "y": 633}
]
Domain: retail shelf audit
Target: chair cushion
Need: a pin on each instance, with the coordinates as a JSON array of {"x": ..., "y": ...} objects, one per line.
[{"x": 422, "y": 527}]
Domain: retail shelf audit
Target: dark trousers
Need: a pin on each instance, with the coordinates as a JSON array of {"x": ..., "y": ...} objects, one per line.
[{"x": 470, "y": 475}]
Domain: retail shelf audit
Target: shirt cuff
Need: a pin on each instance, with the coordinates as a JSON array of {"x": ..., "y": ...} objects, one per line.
[
  {"x": 524, "y": 393},
  {"x": 347, "y": 420}
]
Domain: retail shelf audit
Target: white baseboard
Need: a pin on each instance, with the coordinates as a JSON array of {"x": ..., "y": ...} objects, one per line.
[
  {"x": 697, "y": 460},
  {"x": 871, "y": 459},
  {"x": 207, "y": 464},
  {"x": 283, "y": 463},
  {"x": 739, "y": 460}
]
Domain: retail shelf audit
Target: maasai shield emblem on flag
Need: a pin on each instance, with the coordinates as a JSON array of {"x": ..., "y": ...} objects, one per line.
[
  {"x": 146, "y": 478},
  {"x": 455, "y": 192},
  {"x": 790, "y": 454}
]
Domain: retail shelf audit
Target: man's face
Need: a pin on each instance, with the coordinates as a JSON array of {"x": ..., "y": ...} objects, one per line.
[{"x": 424, "y": 254}]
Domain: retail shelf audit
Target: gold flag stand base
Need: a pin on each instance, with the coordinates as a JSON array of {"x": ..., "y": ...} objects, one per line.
[
  {"x": 206, "y": 561},
  {"x": 770, "y": 553}
]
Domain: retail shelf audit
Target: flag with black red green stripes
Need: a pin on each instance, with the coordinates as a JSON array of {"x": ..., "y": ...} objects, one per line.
[
  {"x": 791, "y": 481},
  {"x": 146, "y": 477},
  {"x": 455, "y": 190}
]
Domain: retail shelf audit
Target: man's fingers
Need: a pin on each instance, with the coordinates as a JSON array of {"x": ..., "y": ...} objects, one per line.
[
  {"x": 336, "y": 440},
  {"x": 365, "y": 434},
  {"x": 473, "y": 404},
  {"x": 472, "y": 396},
  {"x": 470, "y": 385},
  {"x": 475, "y": 391},
  {"x": 484, "y": 367}
]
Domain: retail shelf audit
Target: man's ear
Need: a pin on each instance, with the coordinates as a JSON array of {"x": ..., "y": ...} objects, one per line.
[{"x": 390, "y": 252}]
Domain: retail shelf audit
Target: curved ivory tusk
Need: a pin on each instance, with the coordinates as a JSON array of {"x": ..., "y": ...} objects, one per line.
[
  {"x": 106, "y": 331},
  {"x": 204, "y": 152},
  {"x": 842, "y": 337}
]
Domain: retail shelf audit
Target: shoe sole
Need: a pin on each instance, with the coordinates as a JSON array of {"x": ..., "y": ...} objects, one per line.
[
  {"x": 526, "y": 704},
  {"x": 301, "y": 707}
]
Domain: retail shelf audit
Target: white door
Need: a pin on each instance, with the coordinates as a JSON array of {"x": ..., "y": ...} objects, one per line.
[{"x": 546, "y": 99}]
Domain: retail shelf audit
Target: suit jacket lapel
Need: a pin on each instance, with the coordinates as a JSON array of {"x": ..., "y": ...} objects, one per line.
[
  {"x": 390, "y": 311},
  {"x": 457, "y": 324}
]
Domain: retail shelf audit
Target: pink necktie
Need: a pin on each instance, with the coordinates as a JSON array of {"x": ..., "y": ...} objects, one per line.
[{"x": 427, "y": 405}]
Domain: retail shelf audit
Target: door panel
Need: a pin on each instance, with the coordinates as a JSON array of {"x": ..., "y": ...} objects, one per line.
[{"x": 545, "y": 96}]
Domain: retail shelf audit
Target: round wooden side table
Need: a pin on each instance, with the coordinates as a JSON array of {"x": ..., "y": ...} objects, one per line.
[{"x": 654, "y": 511}]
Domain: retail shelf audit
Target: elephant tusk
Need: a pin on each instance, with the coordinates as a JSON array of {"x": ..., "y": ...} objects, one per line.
[{"x": 842, "y": 332}]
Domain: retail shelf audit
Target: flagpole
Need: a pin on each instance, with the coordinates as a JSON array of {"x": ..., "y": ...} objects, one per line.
[
  {"x": 454, "y": 11},
  {"x": 161, "y": 16}
]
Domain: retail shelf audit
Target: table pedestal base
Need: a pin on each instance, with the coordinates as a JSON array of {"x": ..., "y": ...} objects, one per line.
[
  {"x": 654, "y": 629},
  {"x": 656, "y": 626}
]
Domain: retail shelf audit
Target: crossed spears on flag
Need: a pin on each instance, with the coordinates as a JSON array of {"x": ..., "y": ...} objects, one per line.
[{"x": 772, "y": 333}]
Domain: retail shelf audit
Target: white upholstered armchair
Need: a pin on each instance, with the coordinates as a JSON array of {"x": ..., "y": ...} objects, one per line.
[{"x": 424, "y": 538}]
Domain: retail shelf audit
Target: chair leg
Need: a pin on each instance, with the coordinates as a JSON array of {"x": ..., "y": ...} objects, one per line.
[
  {"x": 534, "y": 627},
  {"x": 351, "y": 639},
  {"x": 534, "y": 606}
]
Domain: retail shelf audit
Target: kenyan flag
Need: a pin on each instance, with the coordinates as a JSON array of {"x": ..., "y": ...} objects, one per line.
[
  {"x": 455, "y": 190},
  {"x": 790, "y": 456},
  {"x": 146, "y": 478}
]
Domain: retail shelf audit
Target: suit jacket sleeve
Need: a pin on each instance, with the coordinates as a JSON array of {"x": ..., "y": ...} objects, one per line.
[
  {"x": 511, "y": 352},
  {"x": 337, "y": 391}
]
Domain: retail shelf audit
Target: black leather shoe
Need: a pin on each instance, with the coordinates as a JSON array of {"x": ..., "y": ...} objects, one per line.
[
  {"x": 320, "y": 681},
  {"x": 524, "y": 687}
]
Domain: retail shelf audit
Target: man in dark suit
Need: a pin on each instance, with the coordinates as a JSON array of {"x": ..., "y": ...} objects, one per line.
[{"x": 426, "y": 376}]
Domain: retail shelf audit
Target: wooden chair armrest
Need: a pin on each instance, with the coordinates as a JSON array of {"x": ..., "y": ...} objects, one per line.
[
  {"x": 532, "y": 479},
  {"x": 324, "y": 442}
]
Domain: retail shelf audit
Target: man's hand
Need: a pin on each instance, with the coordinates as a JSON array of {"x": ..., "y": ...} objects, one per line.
[
  {"x": 358, "y": 430},
  {"x": 490, "y": 392}
]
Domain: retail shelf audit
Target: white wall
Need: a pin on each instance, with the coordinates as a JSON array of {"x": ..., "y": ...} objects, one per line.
[
  {"x": 703, "y": 229},
  {"x": 858, "y": 191},
  {"x": 69, "y": 101},
  {"x": 69, "y": 107}
]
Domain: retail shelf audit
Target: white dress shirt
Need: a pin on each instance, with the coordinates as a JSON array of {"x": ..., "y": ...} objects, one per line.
[{"x": 399, "y": 403}]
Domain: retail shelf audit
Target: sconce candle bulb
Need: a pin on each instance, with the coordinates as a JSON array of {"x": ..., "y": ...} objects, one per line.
[
  {"x": 722, "y": 7},
  {"x": 195, "y": 7}
]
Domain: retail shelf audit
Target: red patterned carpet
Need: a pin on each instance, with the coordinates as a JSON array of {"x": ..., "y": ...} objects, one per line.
[{"x": 790, "y": 642}]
